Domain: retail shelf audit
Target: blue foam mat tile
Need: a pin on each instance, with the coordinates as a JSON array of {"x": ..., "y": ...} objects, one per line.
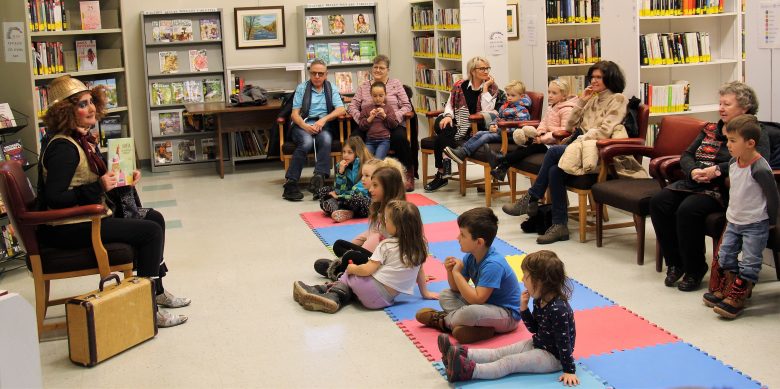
[
  {"x": 330, "y": 235},
  {"x": 504, "y": 248},
  {"x": 537, "y": 381},
  {"x": 585, "y": 298},
  {"x": 442, "y": 250},
  {"x": 676, "y": 364},
  {"x": 436, "y": 214},
  {"x": 406, "y": 306}
]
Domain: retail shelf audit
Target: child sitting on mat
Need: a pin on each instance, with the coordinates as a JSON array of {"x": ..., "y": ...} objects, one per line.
[
  {"x": 392, "y": 269},
  {"x": 552, "y": 324},
  {"x": 348, "y": 198},
  {"x": 490, "y": 306}
]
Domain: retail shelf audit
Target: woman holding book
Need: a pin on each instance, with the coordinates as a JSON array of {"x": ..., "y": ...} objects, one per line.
[
  {"x": 72, "y": 173},
  {"x": 396, "y": 98}
]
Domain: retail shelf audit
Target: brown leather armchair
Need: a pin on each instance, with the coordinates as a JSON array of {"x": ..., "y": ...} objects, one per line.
[
  {"x": 633, "y": 195},
  {"x": 47, "y": 264}
]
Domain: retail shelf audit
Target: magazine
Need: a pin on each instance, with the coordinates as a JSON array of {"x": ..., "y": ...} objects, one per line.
[
  {"x": 14, "y": 151},
  {"x": 6, "y": 116},
  {"x": 336, "y": 24},
  {"x": 334, "y": 53},
  {"x": 367, "y": 50},
  {"x": 166, "y": 30},
  {"x": 344, "y": 82},
  {"x": 313, "y": 25},
  {"x": 363, "y": 76},
  {"x": 208, "y": 149},
  {"x": 362, "y": 23},
  {"x": 169, "y": 122},
  {"x": 177, "y": 93},
  {"x": 169, "y": 62},
  {"x": 185, "y": 150},
  {"x": 86, "y": 55},
  {"x": 121, "y": 157},
  {"x": 213, "y": 90},
  {"x": 199, "y": 61},
  {"x": 193, "y": 91},
  {"x": 155, "y": 30},
  {"x": 161, "y": 93},
  {"x": 90, "y": 15},
  {"x": 209, "y": 30},
  {"x": 163, "y": 152},
  {"x": 354, "y": 52},
  {"x": 182, "y": 30}
]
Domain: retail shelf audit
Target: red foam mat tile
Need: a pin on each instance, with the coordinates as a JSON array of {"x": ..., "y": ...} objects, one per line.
[
  {"x": 419, "y": 200},
  {"x": 442, "y": 231},
  {"x": 435, "y": 268},
  {"x": 318, "y": 219}
]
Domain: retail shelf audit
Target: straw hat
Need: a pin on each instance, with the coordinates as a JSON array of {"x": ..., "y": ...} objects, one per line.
[{"x": 63, "y": 87}]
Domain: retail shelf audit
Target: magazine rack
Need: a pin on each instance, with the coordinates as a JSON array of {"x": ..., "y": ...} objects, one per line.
[{"x": 11, "y": 259}]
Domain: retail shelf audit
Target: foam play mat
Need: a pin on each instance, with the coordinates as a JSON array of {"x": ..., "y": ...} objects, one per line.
[{"x": 615, "y": 348}]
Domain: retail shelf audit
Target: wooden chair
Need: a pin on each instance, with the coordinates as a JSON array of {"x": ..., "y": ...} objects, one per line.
[
  {"x": 427, "y": 147},
  {"x": 633, "y": 195},
  {"x": 287, "y": 147},
  {"x": 49, "y": 264},
  {"x": 480, "y": 157}
]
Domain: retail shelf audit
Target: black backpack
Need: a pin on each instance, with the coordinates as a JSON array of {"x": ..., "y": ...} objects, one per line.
[
  {"x": 540, "y": 222},
  {"x": 631, "y": 120}
]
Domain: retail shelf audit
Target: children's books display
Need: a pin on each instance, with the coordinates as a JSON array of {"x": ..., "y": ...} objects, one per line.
[
  {"x": 209, "y": 30},
  {"x": 163, "y": 152},
  {"x": 110, "y": 127},
  {"x": 313, "y": 25},
  {"x": 336, "y": 24},
  {"x": 121, "y": 157},
  {"x": 90, "y": 15},
  {"x": 361, "y": 23},
  {"x": 14, "y": 151},
  {"x": 6, "y": 116},
  {"x": 86, "y": 54},
  {"x": 185, "y": 150},
  {"x": 199, "y": 61}
]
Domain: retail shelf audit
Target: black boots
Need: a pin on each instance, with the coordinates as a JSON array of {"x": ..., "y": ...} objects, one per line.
[{"x": 328, "y": 299}]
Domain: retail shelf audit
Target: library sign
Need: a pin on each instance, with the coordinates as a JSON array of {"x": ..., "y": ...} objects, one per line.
[{"x": 13, "y": 32}]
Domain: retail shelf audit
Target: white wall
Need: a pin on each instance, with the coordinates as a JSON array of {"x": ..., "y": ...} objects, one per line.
[{"x": 393, "y": 23}]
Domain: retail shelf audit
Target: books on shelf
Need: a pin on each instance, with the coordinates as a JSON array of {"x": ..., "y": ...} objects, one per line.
[
  {"x": 208, "y": 149},
  {"x": 674, "y": 48},
  {"x": 424, "y": 104},
  {"x": 48, "y": 58},
  {"x": 344, "y": 82},
  {"x": 121, "y": 159},
  {"x": 362, "y": 76},
  {"x": 163, "y": 152},
  {"x": 193, "y": 91},
  {"x": 574, "y": 51},
  {"x": 334, "y": 53},
  {"x": 6, "y": 116},
  {"x": 422, "y": 17},
  {"x": 209, "y": 30},
  {"x": 110, "y": 127},
  {"x": 14, "y": 151},
  {"x": 447, "y": 78},
  {"x": 250, "y": 143},
  {"x": 109, "y": 85},
  {"x": 314, "y": 26},
  {"x": 90, "y": 15},
  {"x": 185, "y": 150},
  {"x": 449, "y": 47},
  {"x": 86, "y": 54},
  {"x": 169, "y": 62},
  {"x": 577, "y": 83},
  {"x": 199, "y": 60},
  {"x": 448, "y": 18},
  {"x": 424, "y": 46},
  {"x": 425, "y": 77},
  {"x": 46, "y": 15},
  {"x": 666, "y": 98},
  {"x": 177, "y": 93},
  {"x": 572, "y": 11},
  {"x": 680, "y": 7}
]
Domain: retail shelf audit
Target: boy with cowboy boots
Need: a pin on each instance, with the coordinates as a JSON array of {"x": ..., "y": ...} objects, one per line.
[{"x": 752, "y": 212}]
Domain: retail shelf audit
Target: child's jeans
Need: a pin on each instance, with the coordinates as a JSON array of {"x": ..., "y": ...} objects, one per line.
[
  {"x": 479, "y": 139},
  {"x": 461, "y": 313},
  {"x": 371, "y": 293},
  {"x": 520, "y": 357},
  {"x": 378, "y": 147},
  {"x": 751, "y": 238}
]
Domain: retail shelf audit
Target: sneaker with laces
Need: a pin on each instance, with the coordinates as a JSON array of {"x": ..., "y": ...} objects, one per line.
[
  {"x": 437, "y": 183},
  {"x": 459, "y": 368},
  {"x": 553, "y": 234},
  {"x": 291, "y": 191},
  {"x": 444, "y": 343},
  {"x": 168, "y": 300},
  {"x": 457, "y": 154},
  {"x": 524, "y": 206},
  {"x": 432, "y": 318},
  {"x": 342, "y": 215},
  {"x": 165, "y": 319}
]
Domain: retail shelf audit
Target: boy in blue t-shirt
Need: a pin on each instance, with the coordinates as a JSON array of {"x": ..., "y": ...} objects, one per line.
[{"x": 478, "y": 312}]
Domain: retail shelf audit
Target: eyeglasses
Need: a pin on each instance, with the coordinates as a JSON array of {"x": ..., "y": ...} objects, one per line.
[
  {"x": 317, "y": 74},
  {"x": 487, "y": 69},
  {"x": 379, "y": 67}
]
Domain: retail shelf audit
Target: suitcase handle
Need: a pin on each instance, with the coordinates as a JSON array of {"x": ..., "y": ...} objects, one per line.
[{"x": 110, "y": 276}]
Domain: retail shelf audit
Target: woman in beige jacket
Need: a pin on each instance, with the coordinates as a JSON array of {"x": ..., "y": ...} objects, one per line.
[{"x": 598, "y": 114}]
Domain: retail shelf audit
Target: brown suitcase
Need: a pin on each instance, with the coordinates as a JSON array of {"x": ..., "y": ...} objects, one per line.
[{"x": 107, "y": 321}]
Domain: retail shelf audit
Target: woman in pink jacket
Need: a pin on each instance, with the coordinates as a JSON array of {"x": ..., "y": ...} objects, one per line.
[{"x": 561, "y": 104}]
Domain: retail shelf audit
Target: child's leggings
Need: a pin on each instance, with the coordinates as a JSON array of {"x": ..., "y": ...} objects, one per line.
[
  {"x": 520, "y": 357},
  {"x": 358, "y": 203},
  {"x": 371, "y": 293}
]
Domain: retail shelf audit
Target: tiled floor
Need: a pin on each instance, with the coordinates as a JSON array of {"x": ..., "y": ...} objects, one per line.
[{"x": 235, "y": 247}]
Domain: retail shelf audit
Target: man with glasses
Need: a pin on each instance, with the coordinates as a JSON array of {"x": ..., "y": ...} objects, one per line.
[{"x": 316, "y": 105}]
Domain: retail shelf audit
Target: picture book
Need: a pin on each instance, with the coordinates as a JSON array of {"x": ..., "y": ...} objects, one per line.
[
  {"x": 110, "y": 128},
  {"x": 345, "y": 57},
  {"x": 169, "y": 122},
  {"x": 208, "y": 149},
  {"x": 199, "y": 123},
  {"x": 213, "y": 90},
  {"x": 334, "y": 52},
  {"x": 161, "y": 93},
  {"x": 111, "y": 95},
  {"x": 344, "y": 82},
  {"x": 166, "y": 30},
  {"x": 185, "y": 150},
  {"x": 90, "y": 15},
  {"x": 182, "y": 30},
  {"x": 14, "y": 151},
  {"x": 209, "y": 30},
  {"x": 121, "y": 159},
  {"x": 354, "y": 52},
  {"x": 169, "y": 62},
  {"x": 322, "y": 51},
  {"x": 367, "y": 50},
  {"x": 311, "y": 52},
  {"x": 336, "y": 24},
  {"x": 6, "y": 116},
  {"x": 313, "y": 25},
  {"x": 362, "y": 23},
  {"x": 199, "y": 61},
  {"x": 163, "y": 152},
  {"x": 177, "y": 92},
  {"x": 362, "y": 76},
  {"x": 193, "y": 91},
  {"x": 86, "y": 55}
]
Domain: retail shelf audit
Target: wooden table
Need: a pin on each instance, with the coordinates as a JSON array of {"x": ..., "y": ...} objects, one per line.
[{"x": 232, "y": 119}]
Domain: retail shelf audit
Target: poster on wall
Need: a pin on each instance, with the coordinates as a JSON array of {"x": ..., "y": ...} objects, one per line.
[
  {"x": 769, "y": 36},
  {"x": 13, "y": 32}
]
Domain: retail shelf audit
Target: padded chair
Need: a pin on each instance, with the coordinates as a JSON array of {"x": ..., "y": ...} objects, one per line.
[
  {"x": 481, "y": 157},
  {"x": 427, "y": 147},
  {"x": 287, "y": 147},
  {"x": 633, "y": 195},
  {"x": 49, "y": 264}
]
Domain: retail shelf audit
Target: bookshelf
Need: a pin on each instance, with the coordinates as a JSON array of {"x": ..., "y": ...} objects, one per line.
[
  {"x": 334, "y": 33},
  {"x": 185, "y": 63},
  {"x": 24, "y": 81},
  {"x": 445, "y": 35}
]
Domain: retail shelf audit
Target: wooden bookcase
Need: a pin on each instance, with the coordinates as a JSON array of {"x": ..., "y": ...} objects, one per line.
[
  {"x": 175, "y": 151},
  {"x": 20, "y": 79}
]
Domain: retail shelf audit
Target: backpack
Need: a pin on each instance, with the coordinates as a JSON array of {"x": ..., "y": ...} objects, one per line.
[
  {"x": 540, "y": 222},
  {"x": 631, "y": 120},
  {"x": 772, "y": 130}
]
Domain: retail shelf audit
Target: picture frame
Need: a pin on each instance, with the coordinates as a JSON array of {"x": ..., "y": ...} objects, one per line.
[
  {"x": 512, "y": 26},
  {"x": 259, "y": 27}
]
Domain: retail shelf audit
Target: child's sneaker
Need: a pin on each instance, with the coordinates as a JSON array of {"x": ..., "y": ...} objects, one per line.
[
  {"x": 432, "y": 318},
  {"x": 342, "y": 215},
  {"x": 457, "y": 154},
  {"x": 459, "y": 368},
  {"x": 445, "y": 345},
  {"x": 711, "y": 299},
  {"x": 469, "y": 334},
  {"x": 312, "y": 298},
  {"x": 734, "y": 303}
]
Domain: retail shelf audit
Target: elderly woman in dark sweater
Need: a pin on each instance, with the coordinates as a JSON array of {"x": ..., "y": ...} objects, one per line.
[{"x": 679, "y": 211}]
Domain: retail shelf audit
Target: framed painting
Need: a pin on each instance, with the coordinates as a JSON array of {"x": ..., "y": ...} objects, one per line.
[
  {"x": 511, "y": 22},
  {"x": 259, "y": 27}
]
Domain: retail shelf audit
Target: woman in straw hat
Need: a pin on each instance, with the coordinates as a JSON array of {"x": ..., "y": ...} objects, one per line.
[{"x": 72, "y": 173}]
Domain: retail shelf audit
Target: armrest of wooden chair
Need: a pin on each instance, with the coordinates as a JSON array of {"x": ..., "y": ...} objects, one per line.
[
  {"x": 431, "y": 115},
  {"x": 408, "y": 116},
  {"x": 561, "y": 134},
  {"x": 609, "y": 152},
  {"x": 655, "y": 168},
  {"x": 55, "y": 215},
  {"x": 505, "y": 125}
]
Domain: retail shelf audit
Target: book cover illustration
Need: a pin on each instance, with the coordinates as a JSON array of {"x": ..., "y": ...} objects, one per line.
[
  {"x": 322, "y": 51},
  {"x": 14, "y": 151},
  {"x": 121, "y": 157},
  {"x": 344, "y": 82},
  {"x": 163, "y": 152},
  {"x": 169, "y": 62},
  {"x": 6, "y": 116},
  {"x": 111, "y": 95},
  {"x": 334, "y": 52},
  {"x": 213, "y": 90},
  {"x": 186, "y": 150},
  {"x": 182, "y": 30},
  {"x": 209, "y": 30},
  {"x": 170, "y": 123},
  {"x": 362, "y": 23},
  {"x": 336, "y": 24},
  {"x": 363, "y": 76},
  {"x": 311, "y": 52},
  {"x": 346, "y": 57},
  {"x": 166, "y": 30},
  {"x": 208, "y": 149},
  {"x": 354, "y": 52},
  {"x": 313, "y": 25},
  {"x": 86, "y": 54},
  {"x": 161, "y": 93},
  {"x": 110, "y": 128},
  {"x": 367, "y": 50},
  {"x": 177, "y": 92},
  {"x": 90, "y": 15},
  {"x": 199, "y": 61},
  {"x": 155, "y": 30},
  {"x": 193, "y": 91}
]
